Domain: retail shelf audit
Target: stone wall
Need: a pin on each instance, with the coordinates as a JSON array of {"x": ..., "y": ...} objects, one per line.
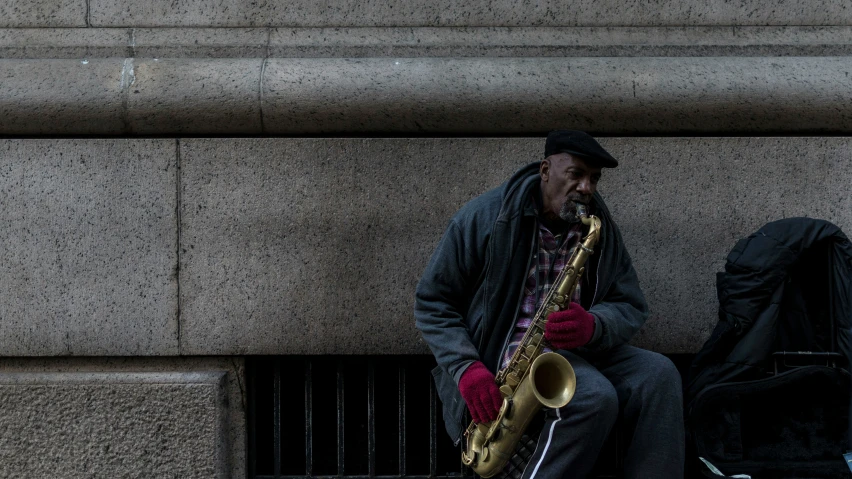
[
  {"x": 234, "y": 246},
  {"x": 184, "y": 183}
]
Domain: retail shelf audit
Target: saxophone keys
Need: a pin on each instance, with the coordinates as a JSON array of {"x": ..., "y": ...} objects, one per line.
[
  {"x": 512, "y": 379},
  {"x": 530, "y": 350},
  {"x": 536, "y": 339},
  {"x": 523, "y": 364},
  {"x": 507, "y": 390}
]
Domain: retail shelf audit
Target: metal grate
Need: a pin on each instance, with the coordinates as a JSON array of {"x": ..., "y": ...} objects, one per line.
[
  {"x": 362, "y": 417},
  {"x": 347, "y": 417}
]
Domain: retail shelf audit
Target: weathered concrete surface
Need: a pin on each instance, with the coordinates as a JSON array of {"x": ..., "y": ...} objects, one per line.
[
  {"x": 82, "y": 418},
  {"x": 415, "y": 42},
  {"x": 683, "y": 202},
  {"x": 559, "y": 41},
  {"x": 349, "y": 13},
  {"x": 498, "y": 96},
  {"x": 194, "y": 96},
  {"x": 43, "y": 13},
  {"x": 42, "y": 97},
  {"x": 89, "y": 235},
  {"x": 314, "y": 246},
  {"x": 201, "y": 42},
  {"x": 77, "y": 43}
]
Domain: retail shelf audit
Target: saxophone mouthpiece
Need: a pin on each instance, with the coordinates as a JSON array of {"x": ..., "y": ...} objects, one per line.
[{"x": 581, "y": 210}]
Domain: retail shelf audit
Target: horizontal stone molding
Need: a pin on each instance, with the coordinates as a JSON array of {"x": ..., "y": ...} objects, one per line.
[
  {"x": 365, "y": 42},
  {"x": 441, "y": 13},
  {"x": 446, "y": 13},
  {"x": 214, "y": 378},
  {"x": 514, "y": 96},
  {"x": 284, "y": 96}
]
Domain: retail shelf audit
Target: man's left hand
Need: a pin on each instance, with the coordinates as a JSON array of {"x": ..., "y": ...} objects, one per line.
[{"x": 570, "y": 328}]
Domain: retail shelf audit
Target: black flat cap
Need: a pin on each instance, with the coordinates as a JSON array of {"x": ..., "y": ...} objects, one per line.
[{"x": 578, "y": 143}]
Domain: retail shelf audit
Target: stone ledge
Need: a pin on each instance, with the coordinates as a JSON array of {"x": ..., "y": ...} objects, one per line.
[
  {"x": 426, "y": 95},
  {"x": 524, "y": 95},
  {"x": 212, "y": 378},
  {"x": 114, "y": 425},
  {"x": 193, "y": 406},
  {"x": 79, "y": 43}
]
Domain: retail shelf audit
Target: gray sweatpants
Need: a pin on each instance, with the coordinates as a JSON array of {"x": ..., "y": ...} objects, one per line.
[{"x": 646, "y": 387}]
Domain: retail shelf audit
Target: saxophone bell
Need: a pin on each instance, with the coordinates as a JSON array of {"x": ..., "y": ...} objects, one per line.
[{"x": 550, "y": 382}]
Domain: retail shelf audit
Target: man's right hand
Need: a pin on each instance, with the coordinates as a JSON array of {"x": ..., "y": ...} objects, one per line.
[{"x": 480, "y": 393}]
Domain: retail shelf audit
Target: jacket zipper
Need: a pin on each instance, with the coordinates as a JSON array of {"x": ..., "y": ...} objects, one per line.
[{"x": 520, "y": 298}]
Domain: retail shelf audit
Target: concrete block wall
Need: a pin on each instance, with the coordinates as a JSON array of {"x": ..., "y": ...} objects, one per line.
[{"x": 187, "y": 183}]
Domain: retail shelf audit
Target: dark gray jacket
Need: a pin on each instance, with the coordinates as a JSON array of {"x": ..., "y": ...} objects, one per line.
[{"x": 467, "y": 300}]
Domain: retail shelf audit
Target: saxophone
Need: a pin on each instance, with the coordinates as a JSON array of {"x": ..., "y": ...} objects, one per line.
[{"x": 532, "y": 379}]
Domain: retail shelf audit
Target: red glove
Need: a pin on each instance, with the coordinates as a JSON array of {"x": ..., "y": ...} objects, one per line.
[
  {"x": 570, "y": 328},
  {"x": 480, "y": 393}
]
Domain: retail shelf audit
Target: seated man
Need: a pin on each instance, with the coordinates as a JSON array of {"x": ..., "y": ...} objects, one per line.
[{"x": 495, "y": 262}]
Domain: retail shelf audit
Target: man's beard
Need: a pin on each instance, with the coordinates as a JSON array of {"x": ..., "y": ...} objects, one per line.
[{"x": 568, "y": 212}]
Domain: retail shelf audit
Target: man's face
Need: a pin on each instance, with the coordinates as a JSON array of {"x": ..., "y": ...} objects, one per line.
[{"x": 565, "y": 181}]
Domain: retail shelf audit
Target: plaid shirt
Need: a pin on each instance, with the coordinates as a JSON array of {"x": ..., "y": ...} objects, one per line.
[{"x": 551, "y": 259}]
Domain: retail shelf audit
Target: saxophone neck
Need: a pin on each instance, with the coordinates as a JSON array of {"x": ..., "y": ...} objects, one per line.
[{"x": 594, "y": 224}]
